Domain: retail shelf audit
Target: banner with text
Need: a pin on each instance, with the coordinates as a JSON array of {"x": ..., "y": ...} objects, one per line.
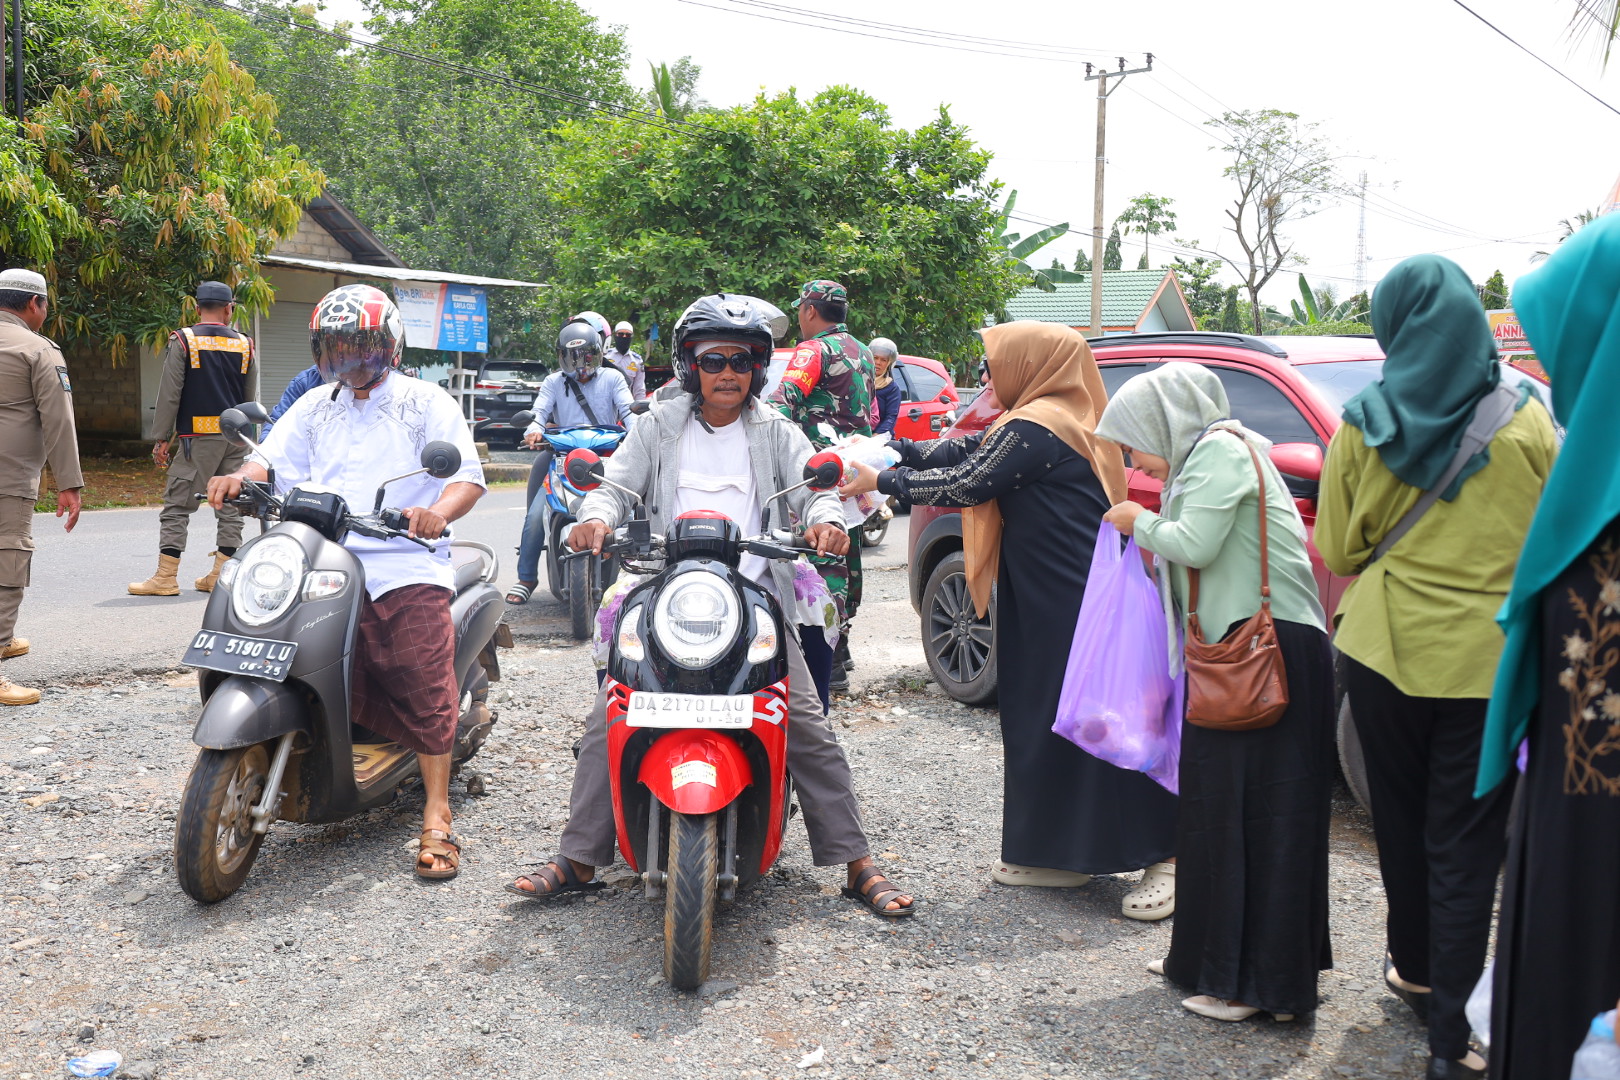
[{"x": 443, "y": 316}]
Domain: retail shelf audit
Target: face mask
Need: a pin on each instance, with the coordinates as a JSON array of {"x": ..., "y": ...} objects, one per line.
[{"x": 621, "y": 342}]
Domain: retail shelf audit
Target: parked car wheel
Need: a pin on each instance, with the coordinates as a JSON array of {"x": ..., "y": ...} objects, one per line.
[
  {"x": 960, "y": 646},
  {"x": 1351, "y": 761}
]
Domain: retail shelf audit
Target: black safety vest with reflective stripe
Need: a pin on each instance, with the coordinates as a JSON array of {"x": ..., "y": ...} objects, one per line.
[{"x": 217, "y": 360}]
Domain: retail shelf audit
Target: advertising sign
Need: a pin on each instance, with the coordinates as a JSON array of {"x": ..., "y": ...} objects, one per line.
[
  {"x": 443, "y": 316},
  {"x": 1507, "y": 331}
]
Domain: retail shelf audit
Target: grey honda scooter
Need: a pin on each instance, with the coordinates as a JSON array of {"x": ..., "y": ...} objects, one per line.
[{"x": 273, "y": 657}]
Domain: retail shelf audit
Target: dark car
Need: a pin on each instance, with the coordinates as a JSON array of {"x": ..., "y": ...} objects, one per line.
[
  {"x": 503, "y": 389},
  {"x": 1289, "y": 389}
]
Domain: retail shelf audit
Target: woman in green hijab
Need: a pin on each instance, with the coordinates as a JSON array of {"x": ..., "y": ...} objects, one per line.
[
  {"x": 1416, "y": 629},
  {"x": 1558, "y": 944}
]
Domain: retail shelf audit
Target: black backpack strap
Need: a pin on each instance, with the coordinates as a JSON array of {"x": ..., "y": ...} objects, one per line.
[{"x": 579, "y": 396}]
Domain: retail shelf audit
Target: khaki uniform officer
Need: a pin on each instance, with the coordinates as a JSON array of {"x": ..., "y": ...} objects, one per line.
[
  {"x": 36, "y": 425},
  {"x": 207, "y": 369}
]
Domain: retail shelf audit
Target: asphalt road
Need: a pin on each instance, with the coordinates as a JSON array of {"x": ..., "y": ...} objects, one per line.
[{"x": 84, "y": 624}]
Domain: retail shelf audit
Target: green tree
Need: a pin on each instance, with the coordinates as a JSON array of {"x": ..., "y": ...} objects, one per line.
[
  {"x": 1282, "y": 170},
  {"x": 1231, "y": 317},
  {"x": 1205, "y": 296},
  {"x": 1082, "y": 262},
  {"x": 1113, "y": 259},
  {"x": 781, "y": 191},
  {"x": 1569, "y": 226},
  {"x": 1317, "y": 307},
  {"x": 453, "y": 168},
  {"x": 1494, "y": 295},
  {"x": 146, "y": 160},
  {"x": 1147, "y": 216}
]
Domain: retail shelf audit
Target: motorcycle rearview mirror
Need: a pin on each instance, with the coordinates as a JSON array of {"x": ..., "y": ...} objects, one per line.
[
  {"x": 441, "y": 459},
  {"x": 823, "y": 471},
  {"x": 522, "y": 419},
  {"x": 583, "y": 468},
  {"x": 233, "y": 424},
  {"x": 255, "y": 412}
]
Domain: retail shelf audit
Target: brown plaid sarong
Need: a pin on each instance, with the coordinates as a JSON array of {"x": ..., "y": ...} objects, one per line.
[{"x": 404, "y": 671}]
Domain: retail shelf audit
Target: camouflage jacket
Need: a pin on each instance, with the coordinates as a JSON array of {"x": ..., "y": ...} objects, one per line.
[{"x": 828, "y": 381}]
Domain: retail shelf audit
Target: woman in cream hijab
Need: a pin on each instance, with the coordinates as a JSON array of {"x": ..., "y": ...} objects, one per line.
[{"x": 1035, "y": 487}]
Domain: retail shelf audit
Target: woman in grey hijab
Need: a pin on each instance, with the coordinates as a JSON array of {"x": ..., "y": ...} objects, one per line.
[{"x": 1251, "y": 926}]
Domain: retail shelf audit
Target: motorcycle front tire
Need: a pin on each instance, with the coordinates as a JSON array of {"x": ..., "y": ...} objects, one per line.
[
  {"x": 581, "y": 577},
  {"x": 690, "y": 891},
  {"x": 214, "y": 841}
]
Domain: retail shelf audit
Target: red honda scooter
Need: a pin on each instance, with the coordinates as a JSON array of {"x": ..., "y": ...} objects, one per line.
[{"x": 697, "y": 687}]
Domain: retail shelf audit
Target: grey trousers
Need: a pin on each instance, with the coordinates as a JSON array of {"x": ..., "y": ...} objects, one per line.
[
  {"x": 16, "y": 559},
  {"x": 816, "y": 762},
  {"x": 197, "y": 460}
]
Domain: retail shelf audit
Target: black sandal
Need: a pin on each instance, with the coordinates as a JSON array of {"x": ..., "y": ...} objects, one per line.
[
  {"x": 558, "y": 877},
  {"x": 875, "y": 902}
]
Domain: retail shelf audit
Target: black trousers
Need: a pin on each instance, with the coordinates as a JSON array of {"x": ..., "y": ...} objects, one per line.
[{"x": 1439, "y": 848}]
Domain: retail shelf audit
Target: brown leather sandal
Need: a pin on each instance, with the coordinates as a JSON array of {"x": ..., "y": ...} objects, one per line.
[
  {"x": 869, "y": 890},
  {"x": 437, "y": 844},
  {"x": 553, "y": 879}
]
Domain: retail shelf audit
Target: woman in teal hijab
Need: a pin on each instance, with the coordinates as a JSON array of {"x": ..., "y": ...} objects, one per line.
[
  {"x": 1417, "y": 629},
  {"x": 1558, "y": 684},
  {"x": 1440, "y": 361}
]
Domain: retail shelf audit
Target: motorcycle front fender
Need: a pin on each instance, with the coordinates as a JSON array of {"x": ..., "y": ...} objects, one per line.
[
  {"x": 695, "y": 771},
  {"x": 243, "y": 711}
]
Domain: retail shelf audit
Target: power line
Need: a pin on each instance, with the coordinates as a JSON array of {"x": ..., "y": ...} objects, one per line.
[
  {"x": 817, "y": 25},
  {"x": 602, "y": 108},
  {"x": 1537, "y": 59},
  {"x": 973, "y": 39}
]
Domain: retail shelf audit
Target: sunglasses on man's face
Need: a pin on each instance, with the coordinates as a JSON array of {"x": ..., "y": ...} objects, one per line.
[{"x": 715, "y": 362}]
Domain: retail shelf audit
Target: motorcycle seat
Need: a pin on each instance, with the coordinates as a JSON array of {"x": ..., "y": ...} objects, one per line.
[{"x": 469, "y": 566}]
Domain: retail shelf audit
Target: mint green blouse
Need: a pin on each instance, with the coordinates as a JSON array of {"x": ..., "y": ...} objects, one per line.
[{"x": 1213, "y": 524}]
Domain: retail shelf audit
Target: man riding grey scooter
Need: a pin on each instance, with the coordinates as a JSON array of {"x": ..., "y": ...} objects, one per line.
[{"x": 352, "y": 437}]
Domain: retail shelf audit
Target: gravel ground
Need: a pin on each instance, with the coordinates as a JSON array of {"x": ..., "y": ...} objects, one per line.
[{"x": 334, "y": 962}]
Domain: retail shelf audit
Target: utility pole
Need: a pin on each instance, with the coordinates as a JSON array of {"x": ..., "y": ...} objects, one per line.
[
  {"x": 1101, "y": 79},
  {"x": 1361, "y": 239}
]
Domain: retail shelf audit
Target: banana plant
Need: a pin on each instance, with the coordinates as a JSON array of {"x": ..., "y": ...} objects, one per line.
[
  {"x": 1308, "y": 310},
  {"x": 1019, "y": 248}
]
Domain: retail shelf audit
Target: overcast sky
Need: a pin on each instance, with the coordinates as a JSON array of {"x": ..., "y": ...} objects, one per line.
[{"x": 1471, "y": 148}]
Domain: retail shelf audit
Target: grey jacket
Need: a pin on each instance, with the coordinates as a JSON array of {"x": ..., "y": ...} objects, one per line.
[{"x": 649, "y": 463}]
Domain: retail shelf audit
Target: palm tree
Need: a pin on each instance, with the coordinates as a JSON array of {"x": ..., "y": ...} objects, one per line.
[
  {"x": 1571, "y": 225},
  {"x": 1600, "y": 17}
]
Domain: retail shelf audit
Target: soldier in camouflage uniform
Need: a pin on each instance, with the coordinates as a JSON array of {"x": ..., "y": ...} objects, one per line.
[{"x": 830, "y": 381}]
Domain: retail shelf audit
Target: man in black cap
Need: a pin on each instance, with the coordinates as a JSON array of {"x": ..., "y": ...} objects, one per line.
[{"x": 207, "y": 369}]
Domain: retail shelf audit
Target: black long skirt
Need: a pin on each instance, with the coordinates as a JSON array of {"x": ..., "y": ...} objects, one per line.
[
  {"x": 1252, "y": 845},
  {"x": 1558, "y": 945}
]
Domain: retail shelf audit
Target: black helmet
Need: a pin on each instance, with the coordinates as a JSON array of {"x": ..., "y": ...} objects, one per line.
[
  {"x": 579, "y": 348},
  {"x": 727, "y": 317}
]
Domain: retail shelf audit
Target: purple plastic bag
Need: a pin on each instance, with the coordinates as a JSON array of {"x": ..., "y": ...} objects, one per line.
[{"x": 1119, "y": 703}]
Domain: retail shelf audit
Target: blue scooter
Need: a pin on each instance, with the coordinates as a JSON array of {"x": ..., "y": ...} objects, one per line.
[{"x": 577, "y": 582}]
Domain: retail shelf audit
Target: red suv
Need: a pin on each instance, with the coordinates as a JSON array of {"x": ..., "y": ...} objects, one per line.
[{"x": 1289, "y": 389}]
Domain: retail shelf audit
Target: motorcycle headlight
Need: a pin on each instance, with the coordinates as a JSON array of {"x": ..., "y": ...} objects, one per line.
[
  {"x": 696, "y": 619},
  {"x": 268, "y": 581},
  {"x": 227, "y": 573}
]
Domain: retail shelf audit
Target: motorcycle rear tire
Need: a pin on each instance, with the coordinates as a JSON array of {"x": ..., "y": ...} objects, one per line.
[
  {"x": 556, "y": 570},
  {"x": 689, "y": 898},
  {"x": 581, "y": 577},
  {"x": 214, "y": 841}
]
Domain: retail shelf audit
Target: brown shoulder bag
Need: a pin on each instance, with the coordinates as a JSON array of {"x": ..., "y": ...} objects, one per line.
[{"x": 1238, "y": 683}]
